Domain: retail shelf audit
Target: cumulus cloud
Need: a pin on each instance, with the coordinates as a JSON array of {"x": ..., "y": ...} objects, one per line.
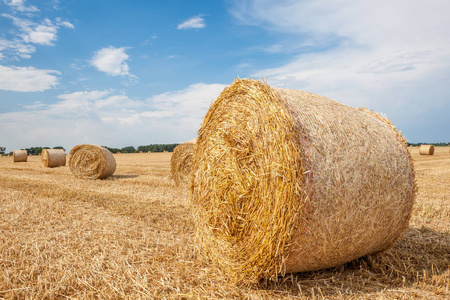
[
  {"x": 386, "y": 55},
  {"x": 192, "y": 23},
  {"x": 17, "y": 48},
  {"x": 19, "y": 5},
  {"x": 30, "y": 34},
  {"x": 27, "y": 79},
  {"x": 109, "y": 118},
  {"x": 112, "y": 61}
]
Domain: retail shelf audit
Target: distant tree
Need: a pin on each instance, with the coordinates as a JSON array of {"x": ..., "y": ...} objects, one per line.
[
  {"x": 35, "y": 150},
  {"x": 2, "y": 150},
  {"x": 129, "y": 149},
  {"x": 113, "y": 150},
  {"x": 157, "y": 147}
]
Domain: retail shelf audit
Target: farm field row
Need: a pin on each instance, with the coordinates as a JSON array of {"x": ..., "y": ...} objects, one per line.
[{"x": 132, "y": 236}]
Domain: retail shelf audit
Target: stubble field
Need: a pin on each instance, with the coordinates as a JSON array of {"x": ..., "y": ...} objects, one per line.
[{"x": 132, "y": 236}]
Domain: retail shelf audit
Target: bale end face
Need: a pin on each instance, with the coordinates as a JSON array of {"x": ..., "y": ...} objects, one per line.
[
  {"x": 91, "y": 162},
  {"x": 181, "y": 163}
]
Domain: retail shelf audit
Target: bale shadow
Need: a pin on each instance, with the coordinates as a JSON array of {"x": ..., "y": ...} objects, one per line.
[
  {"x": 118, "y": 177},
  {"x": 420, "y": 258}
]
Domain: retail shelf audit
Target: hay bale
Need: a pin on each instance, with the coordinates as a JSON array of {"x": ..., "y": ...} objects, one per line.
[
  {"x": 181, "y": 162},
  {"x": 53, "y": 157},
  {"x": 288, "y": 181},
  {"x": 91, "y": 161},
  {"x": 426, "y": 150},
  {"x": 20, "y": 155}
]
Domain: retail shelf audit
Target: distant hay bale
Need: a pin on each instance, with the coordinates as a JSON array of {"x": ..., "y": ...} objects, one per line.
[
  {"x": 426, "y": 149},
  {"x": 181, "y": 162},
  {"x": 288, "y": 181},
  {"x": 53, "y": 157},
  {"x": 20, "y": 155},
  {"x": 91, "y": 161}
]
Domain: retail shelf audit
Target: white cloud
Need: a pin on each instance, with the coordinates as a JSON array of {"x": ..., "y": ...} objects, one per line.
[
  {"x": 30, "y": 33},
  {"x": 192, "y": 23},
  {"x": 19, "y": 5},
  {"x": 44, "y": 34},
  {"x": 112, "y": 61},
  {"x": 109, "y": 118},
  {"x": 17, "y": 48},
  {"x": 386, "y": 55},
  {"x": 189, "y": 103},
  {"x": 27, "y": 79}
]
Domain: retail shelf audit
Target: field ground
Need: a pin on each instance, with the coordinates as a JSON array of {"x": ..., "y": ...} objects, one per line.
[{"x": 132, "y": 236}]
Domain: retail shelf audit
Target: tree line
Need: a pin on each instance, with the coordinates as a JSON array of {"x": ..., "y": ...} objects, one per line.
[
  {"x": 152, "y": 148},
  {"x": 128, "y": 149},
  {"x": 147, "y": 148},
  {"x": 31, "y": 150}
]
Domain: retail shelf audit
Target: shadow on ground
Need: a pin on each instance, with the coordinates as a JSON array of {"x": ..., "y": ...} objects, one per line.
[{"x": 420, "y": 258}]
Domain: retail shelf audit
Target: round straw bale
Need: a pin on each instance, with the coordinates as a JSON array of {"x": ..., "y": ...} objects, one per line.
[
  {"x": 91, "y": 161},
  {"x": 288, "y": 181},
  {"x": 53, "y": 157},
  {"x": 181, "y": 162},
  {"x": 20, "y": 155},
  {"x": 426, "y": 149}
]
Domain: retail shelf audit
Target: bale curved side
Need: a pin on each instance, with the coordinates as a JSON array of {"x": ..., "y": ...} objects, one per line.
[
  {"x": 20, "y": 155},
  {"x": 288, "y": 181},
  {"x": 91, "y": 161},
  {"x": 426, "y": 150},
  {"x": 53, "y": 157},
  {"x": 181, "y": 162}
]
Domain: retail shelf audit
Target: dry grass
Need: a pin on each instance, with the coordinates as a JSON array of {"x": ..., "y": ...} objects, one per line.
[
  {"x": 426, "y": 150},
  {"x": 20, "y": 155},
  {"x": 91, "y": 162},
  {"x": 288, "y": 181},
  {"x": 132, "y": 236},
  {"x": 181, "y": 163},
  {"x": 53, "y": 157}
]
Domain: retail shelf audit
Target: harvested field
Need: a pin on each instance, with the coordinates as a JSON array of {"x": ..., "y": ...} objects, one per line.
[{"x": 131, "y": 235}]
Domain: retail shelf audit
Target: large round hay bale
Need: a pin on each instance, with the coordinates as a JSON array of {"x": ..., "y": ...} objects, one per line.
[
  {"x": 53, "y": 157},
  {"x": 426, "y": 150},
  {"x": 288, "y": 181},
  {"x": 91, "y": 161},
  {"x": 20, "y": 155},
  {"x": 181, "y": 162}
]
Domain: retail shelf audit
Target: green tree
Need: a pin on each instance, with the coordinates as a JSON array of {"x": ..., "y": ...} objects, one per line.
[
  {"x": 129, "y": 149},
  {"x": 2, "y": 150}
]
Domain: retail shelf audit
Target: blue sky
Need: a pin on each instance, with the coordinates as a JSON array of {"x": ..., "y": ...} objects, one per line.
[{"x": 122, "y": 73}]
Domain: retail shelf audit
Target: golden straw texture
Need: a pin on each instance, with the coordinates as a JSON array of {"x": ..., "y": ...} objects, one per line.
[
  {"x": 426, "y": 149},
  {"x": 53, "y": 157},
  {"x": 288, "y": 181},
  {"x": 181, "y": 162},
  {"x": 20, "y": 155},
  {"x": 91, "y": 161}
]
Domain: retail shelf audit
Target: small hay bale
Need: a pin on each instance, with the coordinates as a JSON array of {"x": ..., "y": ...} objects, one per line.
[
  {"x": 287, "y": 181},
  {"x": 91, "y": 161},
  {"x": 53, "y": 158},
  {"x": 20, "y": 155},
  {"x": 181, "y": 162},
  {"x": 426, "y": 150}
]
